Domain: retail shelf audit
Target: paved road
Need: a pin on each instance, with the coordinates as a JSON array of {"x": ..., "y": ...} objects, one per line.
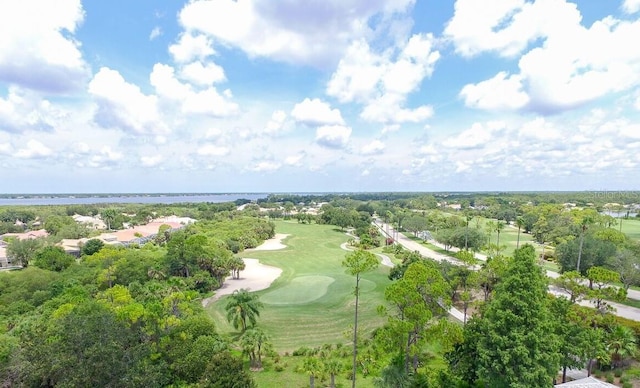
[
  {"x": 620, "y": 309},
  {"x": 386, "y": 261}
]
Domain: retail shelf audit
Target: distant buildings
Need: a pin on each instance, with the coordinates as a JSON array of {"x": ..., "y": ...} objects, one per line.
[{"x": 135, "y": 235}]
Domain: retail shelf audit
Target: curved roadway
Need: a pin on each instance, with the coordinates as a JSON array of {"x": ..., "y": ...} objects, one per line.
[{"x": 620, "y": 309}]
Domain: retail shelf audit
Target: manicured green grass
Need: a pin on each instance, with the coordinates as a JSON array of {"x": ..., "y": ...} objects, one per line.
[
  {"x": 300, "y": 290},
  {"x": 436, "y": 248},
  {"x": 549, "y": 266},
  {"x": 508, "y": 237},
  {"x": 630, "y": 227},
  {"x": 312, "y": 302}
]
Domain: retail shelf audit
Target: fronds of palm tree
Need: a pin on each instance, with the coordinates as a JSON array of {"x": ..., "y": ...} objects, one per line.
[
  {"x": 520, "y": 223},
  {"x": 254, "y": 342},
  {"x": 155, "y": 273},
  {"x": 333, "y": 367},
  {"x": 243, "y": 309},
  {"x": 314, "y": 368},
  {"x": 622, "y": 344}
]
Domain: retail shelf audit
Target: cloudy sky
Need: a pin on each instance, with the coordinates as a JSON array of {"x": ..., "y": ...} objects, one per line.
[{"x": 319, "y": 95}]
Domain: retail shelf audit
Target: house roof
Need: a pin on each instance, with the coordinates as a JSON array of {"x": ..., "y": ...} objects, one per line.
[
  {"x": 587, "y": 382},
  {"x": 27, "y": 235}
]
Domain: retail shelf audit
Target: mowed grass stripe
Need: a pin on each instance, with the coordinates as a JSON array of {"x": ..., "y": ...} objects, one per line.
[
  {"x": 312, "y": 251},
  {"x": 303, "y": 289}
]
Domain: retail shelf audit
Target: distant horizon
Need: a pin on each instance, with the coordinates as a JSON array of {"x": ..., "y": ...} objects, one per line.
[{"x": 194, "y": 193}]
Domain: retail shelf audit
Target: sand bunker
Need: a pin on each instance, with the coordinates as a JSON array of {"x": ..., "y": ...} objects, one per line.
[
  {"x": 272, "y": 244},
  {"x": 255, "y": 277}
]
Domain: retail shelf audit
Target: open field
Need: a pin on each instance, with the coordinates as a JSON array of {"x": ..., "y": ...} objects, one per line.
[
  {"x": 630, "y": 227},
  {"x": 508, "y": 236},
  {"x": 311, "y": 303}
]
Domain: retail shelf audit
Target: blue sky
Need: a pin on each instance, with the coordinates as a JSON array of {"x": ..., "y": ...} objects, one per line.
[{"x": 319, "y": 95}]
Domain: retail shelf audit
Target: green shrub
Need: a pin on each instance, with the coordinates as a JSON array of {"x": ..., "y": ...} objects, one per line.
[
  {"x": 302, "y": 351},
  {"x": 633, "y": 325},
  {"x": 617, "y": 372},
  {"x": 627, "y": 385},
  {"x": 633, "y": 372},
  {"x": 610, "y": 378}
]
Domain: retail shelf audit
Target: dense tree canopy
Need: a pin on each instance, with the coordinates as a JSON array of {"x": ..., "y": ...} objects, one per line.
[
  {"x": 595, "y": 252},
  {"x": 515, "y": 344}
]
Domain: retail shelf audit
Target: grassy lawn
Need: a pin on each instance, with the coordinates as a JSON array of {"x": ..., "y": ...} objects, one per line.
[
  {"x": 549, "y": 266},
  {"x": 313, "y": 295},
  {"x": 508, "y": 236},
  {"x": 630, "y": 227},
  {"x": 312, "y": 302}
]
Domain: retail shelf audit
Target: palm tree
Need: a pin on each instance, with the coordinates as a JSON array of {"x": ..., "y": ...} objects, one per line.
[
  {"x": 313, "y": 367},
  {"x": 253, "y": 342},
  {"x": 393, "y": 375},
  {"x": 357, "y": 263},
  {"x": 621, "y": 344},
  {"x": 520, "y": 224},
  {"x": 155, "y": 273},
  {"x": 499, "y": 225},
  {"x": 236, "y": 265},
  {"x": 490, "y": 227},
  {"x": 333, "y": 367},
  {"x": 109, "y": 216},
  {"x": 584, "y": 225},
  {"x": 468, "y": 217},
  {"x": 243, "y": 307}
]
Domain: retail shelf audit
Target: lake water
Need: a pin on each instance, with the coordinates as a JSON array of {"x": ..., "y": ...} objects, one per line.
[
  {"x": 128, "y": 198},
  {"x": 619, "y": 214}
]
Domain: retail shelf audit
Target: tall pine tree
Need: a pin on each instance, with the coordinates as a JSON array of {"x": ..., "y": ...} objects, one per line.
[{"x": 517, "y": 346}]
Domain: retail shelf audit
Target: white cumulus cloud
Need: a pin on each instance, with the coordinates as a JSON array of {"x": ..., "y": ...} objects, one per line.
[
  {"x": 265, "y": 166},
  {"x": 212, "y": 150},
  {"x": 540, "y": 129},
  {"x": 122, "y": 105},
  {"x": 372, "y": 148},
  {"x": 475, "y": 137},
  {"x": 151, "y": 160},
  {"x": 383, "y": 81},
  {"x": 33, "y": 150},
  {"x": 631, "y": 6},
  {"x": 333, "y": 136},
  {"x": 314, "y": 112},
  {"x": 192, "y": 101},
  {"x": 276, "y": 123},
  {"x": 37, "y": 48},
  {"x": 106, "y": 158},
  {"x": 190, "y": 47},
  {"x": 565, "y": 63},
  {"x": 156, "y": 32},
  {"x": 203, "y": 74},
  {"x": 503, "y": 91},
  {"x": 289, "y": 31},
  {"x": 22, "y": 111},
  {"x": 294, "y": 160}
]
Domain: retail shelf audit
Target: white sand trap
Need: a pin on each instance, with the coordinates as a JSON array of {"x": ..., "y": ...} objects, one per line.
[
  {"x": 272, "y": 244},
  {"x": 255, "y": 277}
]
